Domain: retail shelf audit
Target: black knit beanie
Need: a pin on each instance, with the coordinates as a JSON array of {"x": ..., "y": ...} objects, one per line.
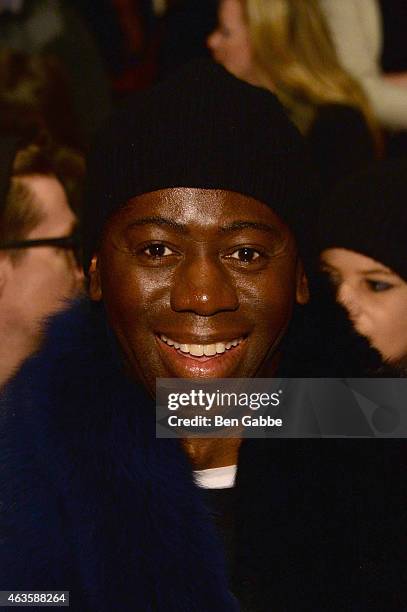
[
  {"x": 8, "y": 151},
  {"x": 368, "y": 214},
  {"x": 202, "y": 128}
]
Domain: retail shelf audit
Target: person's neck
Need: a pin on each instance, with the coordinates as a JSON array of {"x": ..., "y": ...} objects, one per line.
[{"x": 205, "y": 453}]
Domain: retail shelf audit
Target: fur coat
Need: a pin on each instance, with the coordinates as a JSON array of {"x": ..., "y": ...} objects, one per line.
[{"x": 91, "y": 501}]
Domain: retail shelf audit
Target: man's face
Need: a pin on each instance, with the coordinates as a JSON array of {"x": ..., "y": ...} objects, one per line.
[
  {"x": 197, "y": 283},
  {"x": 44, "y": 277}
]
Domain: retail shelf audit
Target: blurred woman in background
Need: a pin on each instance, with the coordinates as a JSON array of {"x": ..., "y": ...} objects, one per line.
[
  {"x": 285, "y": 46},
  {"x": 363, "y": 227}
]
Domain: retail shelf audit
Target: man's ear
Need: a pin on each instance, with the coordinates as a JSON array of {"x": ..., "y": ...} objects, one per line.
[
  {"x": 95, "y": 286},
  {"x": 302, "y": 291}
]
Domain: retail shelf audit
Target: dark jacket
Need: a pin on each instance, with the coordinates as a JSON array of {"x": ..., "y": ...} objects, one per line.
[
  {"x": 322, "y": 523},
  {"x": 94, "y": 504}
]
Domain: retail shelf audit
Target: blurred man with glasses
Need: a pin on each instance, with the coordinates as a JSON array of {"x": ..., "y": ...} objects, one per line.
[{"x": 39, "y": 267}]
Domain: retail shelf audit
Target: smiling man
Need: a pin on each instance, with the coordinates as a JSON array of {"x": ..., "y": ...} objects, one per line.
[
  {"x": 197, "y": 283},
  {"x": 198, "y": 206}
]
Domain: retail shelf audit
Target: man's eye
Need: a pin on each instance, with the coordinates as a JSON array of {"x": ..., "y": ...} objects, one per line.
[
  {"x": 245, "y": 255},
  {"x": 378, "y": 286},
  {"x": 157, "y": 251}
]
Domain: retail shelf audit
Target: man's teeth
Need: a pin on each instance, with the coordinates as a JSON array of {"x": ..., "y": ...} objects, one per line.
[{"x": 198, "y": 350}]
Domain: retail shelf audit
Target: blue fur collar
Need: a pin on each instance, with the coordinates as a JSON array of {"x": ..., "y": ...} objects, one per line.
[{"x": 92, "y": 502}]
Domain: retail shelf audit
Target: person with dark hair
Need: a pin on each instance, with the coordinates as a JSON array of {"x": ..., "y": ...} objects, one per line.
[
  {"x": 185, "y": 24},
  {"x": 39, "y": 199},
  {"x": 56, "y": 28},
  {"x": 197, "y": 232},
  {"x": 35, "y": 95},
  {"x": 363, "y": 229}
]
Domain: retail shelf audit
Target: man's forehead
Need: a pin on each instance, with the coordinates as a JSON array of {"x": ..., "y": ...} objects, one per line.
[
  {"x": 49, "y": 201},
  {"x": 181, "y": 208}
]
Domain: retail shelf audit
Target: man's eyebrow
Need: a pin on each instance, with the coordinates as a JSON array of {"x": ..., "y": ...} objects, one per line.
[
  {"x": 239, "y": 225},
  {"x": 163, "y": 221}
]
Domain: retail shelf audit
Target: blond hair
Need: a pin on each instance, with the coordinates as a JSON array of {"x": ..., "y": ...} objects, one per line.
[{"x": 295, "y": 56}]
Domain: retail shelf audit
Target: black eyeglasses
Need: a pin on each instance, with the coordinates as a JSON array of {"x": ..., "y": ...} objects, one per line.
[{"x": 71, "y": 242}]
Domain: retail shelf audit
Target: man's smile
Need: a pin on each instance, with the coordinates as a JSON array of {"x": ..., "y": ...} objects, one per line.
[
  {"x": 213, "y": 360},
  {"x": 200, "y": 349}
]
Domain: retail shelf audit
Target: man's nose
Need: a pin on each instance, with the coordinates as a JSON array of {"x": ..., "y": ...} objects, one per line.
[{"x": 202, "y": 285}]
